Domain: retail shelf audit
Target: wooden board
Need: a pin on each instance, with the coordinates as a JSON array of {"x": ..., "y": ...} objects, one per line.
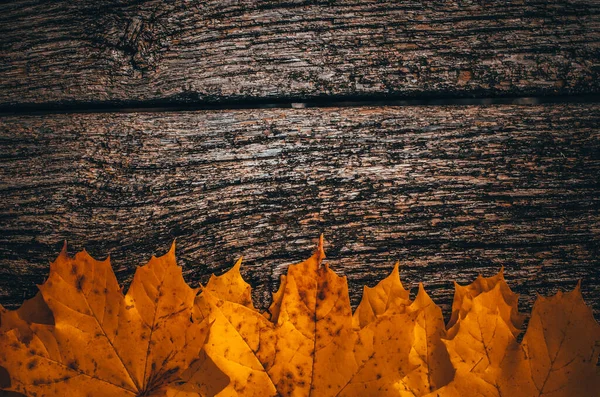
[
  {"x": 448, "y": 191},
  {"x": 91, "y": 52}
]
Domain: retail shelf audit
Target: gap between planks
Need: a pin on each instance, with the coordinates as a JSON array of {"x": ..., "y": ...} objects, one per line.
[{"x": 316, "y": 102}]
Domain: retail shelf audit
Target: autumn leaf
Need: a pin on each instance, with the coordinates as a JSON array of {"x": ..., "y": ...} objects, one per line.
[
  {"x": 509, "y": 311},
  {"x": 388, "y": 295},
  {"x": 430, "y": 362},
  {"x": 557, "y": 356},
  {"x": 428, "y": 351},
  {"x": 286, "y": 352},
  {"x": 102, "y": 342},
  {"x": 81, "y": 336},
  {"x": 559, "y": 352},
  {"x": 478, "y": 345},
  {"x": 33, "y": 310}
]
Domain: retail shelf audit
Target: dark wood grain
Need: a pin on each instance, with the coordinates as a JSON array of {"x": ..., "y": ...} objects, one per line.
[
  {"x": 448, "y": 191},
  {"x": 99, "y": 51}
]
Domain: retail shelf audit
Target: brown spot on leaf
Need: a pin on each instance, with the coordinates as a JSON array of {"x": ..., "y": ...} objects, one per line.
[
  {"x": 73, "y": 364},
  {"x": 79, "y": 282},
  {"x": 32, "y": 364}
]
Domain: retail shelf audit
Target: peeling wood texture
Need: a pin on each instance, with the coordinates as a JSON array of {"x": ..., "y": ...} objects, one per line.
[
  {"x": 448, "y": 191},
  {"x": 91, "y": 52}
]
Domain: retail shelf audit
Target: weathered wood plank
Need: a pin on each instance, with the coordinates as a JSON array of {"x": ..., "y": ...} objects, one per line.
[
  {"x": 99, "y": 51},
  {"x": 448, "y": 191}
]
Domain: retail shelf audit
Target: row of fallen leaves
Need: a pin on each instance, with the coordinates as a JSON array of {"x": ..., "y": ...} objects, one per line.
[{"x": 80, "y": 336}]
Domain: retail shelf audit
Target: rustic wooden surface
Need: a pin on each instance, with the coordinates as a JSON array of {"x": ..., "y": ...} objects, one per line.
[
  {"x": 448, "y": 191},
  {"x": 97, "y": 51}
]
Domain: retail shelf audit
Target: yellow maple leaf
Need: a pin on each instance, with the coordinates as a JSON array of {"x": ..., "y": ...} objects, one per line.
[
  {"x": 387, "y": 295},
  {"x": 559, "y": 352},
  {"x": 32, "y": 310},
  {"x": 428, "y": 351},
  {"x": 103, "y": 342},
  {"x": 430, "y": 365},
  {"x": 478, "y": 345},
  {"x": 557, "y": 356},
  {"x": 509, "y": 311},
  {"x": 310, "y": 328}
]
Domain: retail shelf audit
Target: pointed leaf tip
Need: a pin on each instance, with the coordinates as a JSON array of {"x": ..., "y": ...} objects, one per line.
[
  {"x": 63, "y": 251},
  {"x": 422, "y": 295},
  {"x": 238, "y": 264},
  {"x": 320, "y": 253}
]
